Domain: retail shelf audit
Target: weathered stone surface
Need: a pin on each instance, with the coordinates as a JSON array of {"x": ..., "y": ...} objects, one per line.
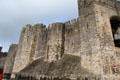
[
  {"x": 72, "y": 37},
  {"x": 40, "y": 32},
  {"x": 31, "y": 46},
  {"x": 8, "y": 67},
  {"x": 103, "y": 15},
  {"x": 90, "y": 37},
  {"x": 55, "y": 44}
]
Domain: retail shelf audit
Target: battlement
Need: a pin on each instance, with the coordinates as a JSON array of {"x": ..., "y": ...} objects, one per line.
[
  {"x": 35, "y": 27},
  {"x": 29, "y": 26},
  {"x": 54, "y": 25},
  {"x": 40, "y": 25},
  {"x": 86, "y": 3},
  {"x": 87, "y": 37},
  {"x": 72, "y": 22}
]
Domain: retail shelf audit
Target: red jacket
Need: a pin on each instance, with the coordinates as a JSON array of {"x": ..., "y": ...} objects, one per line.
[
  {"x": 114, "y": 67},
  {"x": 1, "y": 74}
]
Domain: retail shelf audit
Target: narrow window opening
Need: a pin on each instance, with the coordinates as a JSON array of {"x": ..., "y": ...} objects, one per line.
[{"x": 115, "y": 24}]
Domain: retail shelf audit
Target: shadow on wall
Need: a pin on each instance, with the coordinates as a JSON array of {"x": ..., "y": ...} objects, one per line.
[
  {"x": 63, "y": 69},
  {"x": 115, "y": 24}
]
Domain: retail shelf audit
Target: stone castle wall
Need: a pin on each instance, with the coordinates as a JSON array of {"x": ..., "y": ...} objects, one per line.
[
  {"x": 55, "y": 42},
  {"x": 106, "y": 47},
  {"x": 72, "y": 37},
  {"x": 99, "y": 40},
  {"x": 8, "y": 67},
  {"x": 28, "y": 50},
  {"x": 87, "y": 3},
  {"x": 89, "y": 36},
  {"x": 118, "y": 7},
  {"x": 40, "y": 32}
]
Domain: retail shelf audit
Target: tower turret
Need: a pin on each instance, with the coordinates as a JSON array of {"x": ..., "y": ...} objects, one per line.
[
  {"x": 82, "y": 4},
  {"x": 95, "y": 16}
]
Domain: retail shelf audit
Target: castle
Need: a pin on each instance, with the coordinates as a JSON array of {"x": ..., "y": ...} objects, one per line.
[{"x": 85, "y": 48}]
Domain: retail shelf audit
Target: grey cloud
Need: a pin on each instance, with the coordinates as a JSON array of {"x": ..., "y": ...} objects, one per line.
[{"x": 15, "y": 14}]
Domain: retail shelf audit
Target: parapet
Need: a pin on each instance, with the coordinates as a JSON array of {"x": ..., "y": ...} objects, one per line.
[
  {"x": 34, "y": 27},
  {"x": 28, "y": 26},
  {"x": 40, "y": 25},
  {"x": 86, "y": 3},
  {"x": 72, "y": 27},
  {"x": 54, "y": 25},
  {"x": 72, "y": 22}
]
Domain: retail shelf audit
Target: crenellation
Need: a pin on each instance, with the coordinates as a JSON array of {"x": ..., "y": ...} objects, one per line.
[
  {"x": 40, "y": 25},
  {"x": 86, "y": 3},
  {"x": 28, "y": 26},
  {"x": 54, "y": 25},
  {"x": 72, "y": 37},
  {"x": 71, "y": 22},
  {"x": 86, "y": 43}
]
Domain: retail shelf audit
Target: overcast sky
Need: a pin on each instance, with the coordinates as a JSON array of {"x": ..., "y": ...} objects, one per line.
[{"x": 15, "y": 14}]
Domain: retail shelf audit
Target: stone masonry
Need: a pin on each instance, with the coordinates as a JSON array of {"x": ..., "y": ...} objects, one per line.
[
  {"x": 55, "y": 41},
  {"x": 28, "y": 50},
  {"x": 90, "y": 37},
  {"x": 8, "y": 66}
]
